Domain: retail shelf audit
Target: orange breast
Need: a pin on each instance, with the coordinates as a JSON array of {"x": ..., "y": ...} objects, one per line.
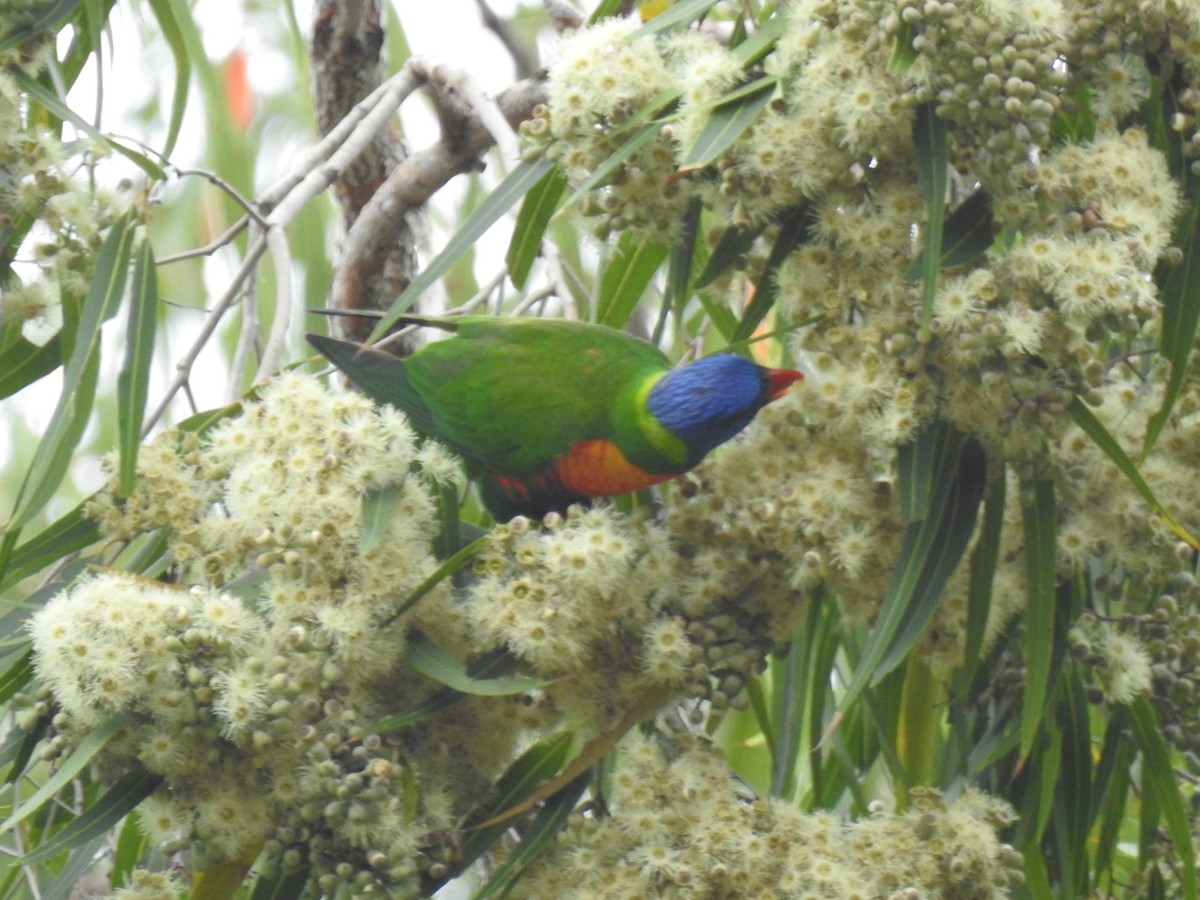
[{"x": 598, "y": 469}]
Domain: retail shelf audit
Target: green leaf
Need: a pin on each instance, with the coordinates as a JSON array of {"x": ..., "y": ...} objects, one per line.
[
  {"x": 763, "y": 41},
  {"x": 62, "y": 886},
  {"x": 1103, "y": 439},
  {"x": 1110, "y": 793},
  {"x": 1179, "y": 284},
  {"x": 929, "y": 139},
  {"x": 793, "y": 231},
  {"x": 679, "y": 266},
  {"x": 518, "y": 182},
  {"x": 133, "y": 382},
  {"x": 1072, "y": 808},
  {"x": 206, "y": 419},
  {"x": 916, "y": 465},
  {"x": 445, "y": 570},
  {"x": 550, "y": 820},
  {"x": 79, "y": 377},
  {"x": 604, "y": 9},
  {"x": 433, "y": 662},
  {"x": 682, "y": 13},
  {"x": 378, "y": 504},
  {"x": 626, "y": 276},
  {"x": 98, "y": 817},
  {"x": 933, "y": 546},
  {"x": 131, "y": 846},
  {"x": 1075, "y": 122},
  {"x": 1159, "y": 781},
  {"x": 68, "y": 768},
  {"x": 16, "y": 676},
  {"x": 70, "y": 534},
  {"x": 284, "y": 886},
  {"x": 638, "y": 139},
  {"x": 983, "y": 570},
  {"x": 50, "y": 101},
  {"x": 735, "y": 243},
  {"x": 969, "y": 231},
  {"x": 168, "y": 26},
  {"x": 1039, "y": 516},
  {"x": 903, "y": 54},
  {"x": 727, "y": 123},
  {"x": 535, "y": 766},
  {"x": 24, "y": 362},
  {"x": 536, "y": 209}
]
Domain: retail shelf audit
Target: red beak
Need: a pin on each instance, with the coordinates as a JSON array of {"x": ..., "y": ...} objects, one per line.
[{"x": 782, "y": 379}]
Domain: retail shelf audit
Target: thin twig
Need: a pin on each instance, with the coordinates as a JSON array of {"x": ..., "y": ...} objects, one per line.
[
  {"x": 211, "y": 247},
  {"x": 183, "y": 368},
  {"x": 252, "y": 210}
]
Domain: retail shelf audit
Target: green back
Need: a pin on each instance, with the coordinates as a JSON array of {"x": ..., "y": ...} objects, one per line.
[{"x": 510, "y": 395}]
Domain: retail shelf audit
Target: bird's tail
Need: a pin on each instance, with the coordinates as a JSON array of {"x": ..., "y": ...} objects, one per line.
[{"x": 381, "y": 376}]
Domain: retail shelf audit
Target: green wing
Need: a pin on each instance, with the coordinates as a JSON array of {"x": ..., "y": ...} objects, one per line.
[{"x": 511, "y": 395}]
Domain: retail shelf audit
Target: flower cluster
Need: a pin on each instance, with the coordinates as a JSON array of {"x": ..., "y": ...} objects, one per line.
[
  {"x": 679, "y": 826},
  {"x": 249, "y": 690},
  {"x": 61, "y": 217}
]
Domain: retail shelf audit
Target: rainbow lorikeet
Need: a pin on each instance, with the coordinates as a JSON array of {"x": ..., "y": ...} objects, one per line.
[{"x": 548, "y": 412}]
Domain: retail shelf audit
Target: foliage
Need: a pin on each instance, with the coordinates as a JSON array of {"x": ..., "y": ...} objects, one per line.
[{"x": 937, "y": 608}]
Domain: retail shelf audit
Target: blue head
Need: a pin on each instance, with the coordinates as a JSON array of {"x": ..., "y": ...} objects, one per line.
[{"x": 709, "y": 401}]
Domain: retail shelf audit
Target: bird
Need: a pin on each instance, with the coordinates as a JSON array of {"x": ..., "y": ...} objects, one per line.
[{"x": 547, "y": 412}]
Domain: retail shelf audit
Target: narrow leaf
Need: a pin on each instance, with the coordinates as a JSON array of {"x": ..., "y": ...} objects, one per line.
[
  {"x": 1158, "y": 780},
  {"x": 638, "y": 139},
  {"x": 679, "y": 266},
  {"x": 929, "y": 139},
  {"x": 98, "y": 817},
  {"x": 682, "y": 13},
  {"x": 536, "y": 209},
  {"x": 24, "y": 362},
  {"x": 130, "y": 847},
  {"x": 793, "y": 231},
  {"x": 378, "y": 505},
  {"x": 433, "y": 662},
  {"x": 79, "y": 377},
  {"x": 952, "y": 534},
  {"x": 284, "y": 886},
  {"x": 16, "y": 676},
  {"x": 759, "y": 44},
  {"x": 1179, "y": 284},
  {"x": 133, "y": 382},
  {"x": 626, "y": 276},
  {"x": 92, "y": 744},
  {"x": 442, "y": 572},
  {"x": 534, "y": 767},
  {"x": 731, "y": 250},
  {"x": 916, "y": 464},
  {"x": 550, "y": 820},
  {"x": 1039, "y": 516},
  {"x": 59, "y": 109},
  {"x": 983, "y": 570},
  {"x": 969, "y": 232},
  {"x": 726, "y": 124},
  {"x": 70, "y": 534},
  {"x": 933, "y": 547},
  {"x": 66, "y": 880},
  {"x": 508, "y": 192},
  {"x": 1103, "y": 439},
  {"x": 168, "y": 27}
]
